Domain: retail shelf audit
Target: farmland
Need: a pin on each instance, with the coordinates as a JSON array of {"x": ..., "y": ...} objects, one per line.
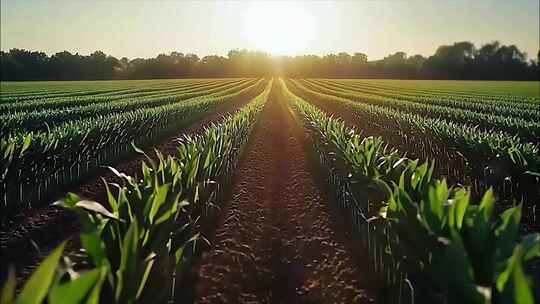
[{"x": 275, "y": 190}]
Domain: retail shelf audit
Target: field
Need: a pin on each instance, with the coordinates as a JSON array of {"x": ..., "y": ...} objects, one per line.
[
  {"x": 478, "y": 87},
  {"x": 271, "y": 191}
]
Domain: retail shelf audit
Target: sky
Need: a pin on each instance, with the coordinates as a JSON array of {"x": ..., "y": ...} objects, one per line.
[{"x": 377, "y": 28}]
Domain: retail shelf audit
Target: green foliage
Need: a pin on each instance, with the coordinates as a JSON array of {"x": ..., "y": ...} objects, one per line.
[
  {"x": 419, "y": 226},
  {"x": 51, "y": 281},
  {"x": 44, "y": 114},
  {"x": 468, "y": 139},
  {"x": 150, "y": 225},
  {"x": 70, "y": 152},
  {"x": 508, "y": 106},
  {"x": 464, "y": 153}
]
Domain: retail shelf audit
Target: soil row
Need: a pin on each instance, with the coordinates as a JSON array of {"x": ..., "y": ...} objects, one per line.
[{"x": 277, "y": 239}]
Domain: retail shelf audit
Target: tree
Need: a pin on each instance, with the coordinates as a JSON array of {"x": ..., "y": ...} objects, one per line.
[
  {"x": 359, "y": 58},
  {"x": 452, "y": 61},
  {"x": 460, "y": 60},
  {"x": 344, "y": 58}
]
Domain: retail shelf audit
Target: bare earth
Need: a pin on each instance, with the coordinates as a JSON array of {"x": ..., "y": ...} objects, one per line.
[{"x": 276, "y": 239}]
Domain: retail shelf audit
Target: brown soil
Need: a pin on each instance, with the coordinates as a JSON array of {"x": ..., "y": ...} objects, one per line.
[
  {"x": 276, "y": 239},
  {"x": 28, "y": 240}
]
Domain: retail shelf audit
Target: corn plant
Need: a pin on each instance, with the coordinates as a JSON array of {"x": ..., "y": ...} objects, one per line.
[
  {"x": 40, "y": 119},
  {"x": 524, "y": 128},
  {"x": 56, "y": 283},
  {"x": 68, "y": 153},
  {"x": 525, "y": 102},
  {"x": 12, "y": 93},
  {"x": 11, "y": 153},
  {"x": 65, "y": 102},
  {"x": 427, "y": 242},
  {"x": 479, "y": 104},
  {"x": 143, "y": 239},
  {"x": 464, "y": 154}
]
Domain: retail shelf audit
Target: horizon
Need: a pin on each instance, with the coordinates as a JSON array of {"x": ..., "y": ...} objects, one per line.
[{"x": 383, "y": 28}]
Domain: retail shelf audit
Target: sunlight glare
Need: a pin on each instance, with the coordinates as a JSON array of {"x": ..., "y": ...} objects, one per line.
[{"x": 280, "y": 28}]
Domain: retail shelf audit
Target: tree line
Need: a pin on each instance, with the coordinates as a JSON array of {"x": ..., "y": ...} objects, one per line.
[{"x": 461, "y": 60}]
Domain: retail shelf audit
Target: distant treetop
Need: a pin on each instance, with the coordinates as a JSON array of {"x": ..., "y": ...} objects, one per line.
[{"x": 461, "y": 60}]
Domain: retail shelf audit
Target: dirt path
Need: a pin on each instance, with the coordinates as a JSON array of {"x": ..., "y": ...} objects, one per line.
[
  {"x": 26, "y": 242},
  {"x": 276, "y": 241}
]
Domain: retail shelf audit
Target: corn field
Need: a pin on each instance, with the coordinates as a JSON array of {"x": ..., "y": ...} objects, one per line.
[{"x": 438, "y": 183}]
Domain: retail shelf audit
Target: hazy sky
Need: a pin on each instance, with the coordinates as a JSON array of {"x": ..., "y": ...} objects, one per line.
[{"x": 377, "y": 28}]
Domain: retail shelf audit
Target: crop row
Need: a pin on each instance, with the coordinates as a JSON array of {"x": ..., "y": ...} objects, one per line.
[
  {"x": 455, "y": 92},
  {"x": 37, "y": 166},
  {"x": 512, "y": 109},
  {"x": 41, "y": 120},
  {"x": 464, "y": 154},
  {"x": 142, "y": 242},
  {"x": 66, "y": 102},
  {"x": 45, "y": 93},
  {"x": 52, "y": 90},
  {"x": 40, "y": 92},
  {"x": 527, "y": 130},
  {"x": 428, "y": 243}
]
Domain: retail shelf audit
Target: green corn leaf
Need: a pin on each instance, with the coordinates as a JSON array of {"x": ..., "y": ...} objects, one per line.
[
  {"x": 419, "y": 174},
  {"x": 487, "y": 203},
  {"x": 36, "y": 288},
  {"x": 113, "y": 203},
  {"x": 94, "y": 247},
  {"x": 193, "y": 171},
  {"x": 26, "y": 143},
  {"x": 169, "y": 212},
  {"x": 512, "y": 283},
  {"x": 69, "y": 200},
  {"x": 95, "y": 293},
  {"x": 399, "y": 162},
  {"x": 145, "y": 170},
  {"x": 8, "y": 290},
  {"x": 130, "y": 248},
  {"x": 507, "y": 231},
  {"x": 78, "y": 290},
  {"x": 96, "y": 207},
  {"x": 129, "y": 254},
  {"x": 179, "y": 252},
  {"x": 149, "y": 264},
  {"x": 434, "y": 208},
  {"x": 207, "y": 160},
  {"x": 160, "y": 195},
  {"x": 458, "y": 208}
]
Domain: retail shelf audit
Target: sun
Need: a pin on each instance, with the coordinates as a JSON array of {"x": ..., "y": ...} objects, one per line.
[{"x": 280, "y": 28}]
